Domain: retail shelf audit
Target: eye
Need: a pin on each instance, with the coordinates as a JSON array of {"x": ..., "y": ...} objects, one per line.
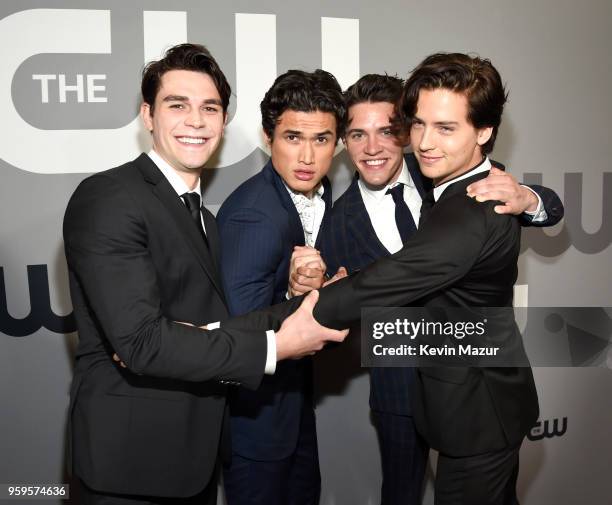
[
  {"x": 387, "y": 132},
  {"x": 417, "y": 124},
  {"x": 177, "y": 106},
  {"x": 356, "y": 136},
  {"x": 211, "y": 109},
  {"x": 291, "y": 137},
  {"x": 446, "y": 130},
  {"x": 322, "y": 140}
]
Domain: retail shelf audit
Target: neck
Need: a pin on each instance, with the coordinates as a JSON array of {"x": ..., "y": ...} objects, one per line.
[{"x": 474, "y": 162}]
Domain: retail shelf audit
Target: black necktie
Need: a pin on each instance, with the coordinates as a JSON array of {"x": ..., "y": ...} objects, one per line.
[
  {"x": 403, "y": 217},
  {"x": 426, "y": 206},
  {"x": 192, "y": 201}
]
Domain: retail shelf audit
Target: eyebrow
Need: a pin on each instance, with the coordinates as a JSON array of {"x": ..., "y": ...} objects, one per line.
[
  {"x": 438, "y": 123},
  {"x": 181, "y": 98},
  {"x": 298, "y": 133}
]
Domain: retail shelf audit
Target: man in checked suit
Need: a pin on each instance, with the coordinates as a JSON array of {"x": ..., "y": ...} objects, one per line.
[
  {"x": 367, "y": 223},
  {"x": 274, "y": 444},
  {"x": 142, "y": 254}
]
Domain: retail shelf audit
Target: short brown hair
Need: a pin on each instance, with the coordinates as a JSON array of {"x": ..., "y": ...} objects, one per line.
[
  {"x": 193, "y": 57},
  {"x": 477, "y": 78}
]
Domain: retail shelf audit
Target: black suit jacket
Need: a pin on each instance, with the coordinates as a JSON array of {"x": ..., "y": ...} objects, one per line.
[
  {"x": 463, "y": 255},
  {"x": 349, "y": 240},
  {"x": 136, "y": 264}
]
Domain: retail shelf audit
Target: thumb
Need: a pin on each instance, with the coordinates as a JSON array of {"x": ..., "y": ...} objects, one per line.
[
  {"x": 497, "y": 171},
  {"x": 342, "y": 272},
  {"x": 310, "y": 301}
]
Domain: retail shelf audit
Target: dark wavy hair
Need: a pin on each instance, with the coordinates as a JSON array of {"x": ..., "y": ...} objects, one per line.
[
  {"x": 374, "y": 88},
  {"x": 476, "y": 77},
  {"x": 193, "y": 57},
  {"x": 303, "y": 92}
]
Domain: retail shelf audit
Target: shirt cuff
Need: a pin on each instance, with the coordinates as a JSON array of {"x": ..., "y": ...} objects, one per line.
[
  {"x": 213, "y": 326},
  {"x": 539, "y": 215},
  {"x": 271, "y": 354}
]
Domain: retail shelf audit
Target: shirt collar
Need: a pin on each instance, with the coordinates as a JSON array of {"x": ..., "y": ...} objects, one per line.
[
  {"x": 175, "y": 180},
  {"x": 483, "y": 166},
  {"x": 378, "y": 194}
]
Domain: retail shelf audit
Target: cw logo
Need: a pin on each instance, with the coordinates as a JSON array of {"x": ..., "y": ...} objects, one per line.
[
  {"x": 46, "y": 31},
  {"x": 548, "y": 429}
]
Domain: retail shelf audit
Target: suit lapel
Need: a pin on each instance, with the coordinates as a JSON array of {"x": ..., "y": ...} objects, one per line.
[
  {"x": 295, "y": 225},
  {"x": 327, "y": 198},
  {"x": 359, "y": 224},
  {"x": 180, "y": 215}
]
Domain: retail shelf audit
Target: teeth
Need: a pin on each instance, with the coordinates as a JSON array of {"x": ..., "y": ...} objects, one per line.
[
  {"x": 191, "y": 140},
  {"x": 374, "y": 162}
]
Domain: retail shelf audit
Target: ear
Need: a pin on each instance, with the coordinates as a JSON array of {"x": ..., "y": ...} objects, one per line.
[
  {"x": 145, "y": 114},
  {"x": 225, "y": 118},
  {"x": 484, "y": 134},
  {"x": 268, "y": 139}
]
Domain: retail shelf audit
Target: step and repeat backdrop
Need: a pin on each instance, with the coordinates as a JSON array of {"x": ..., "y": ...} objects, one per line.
[{"x": 69, "y": 98}]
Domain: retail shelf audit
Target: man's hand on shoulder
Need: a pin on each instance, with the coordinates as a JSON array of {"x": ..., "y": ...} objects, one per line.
[
  {"x": 502, "y": 186},
  {"x": 301, "y": 335}
]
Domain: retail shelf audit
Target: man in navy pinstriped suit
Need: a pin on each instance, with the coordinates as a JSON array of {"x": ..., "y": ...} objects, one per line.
[
  {"x": 274, "y": 444},
  {"x": 363, "y": 227}
]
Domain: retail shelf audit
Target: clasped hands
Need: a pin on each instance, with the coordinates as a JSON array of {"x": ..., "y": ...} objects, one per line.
[{"x": 307, "y": 271}]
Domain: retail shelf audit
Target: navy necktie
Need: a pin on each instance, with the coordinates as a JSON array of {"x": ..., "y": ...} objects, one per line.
[
  {"x": 403, "y": 217},
  {"x": 192, "y": 201}
]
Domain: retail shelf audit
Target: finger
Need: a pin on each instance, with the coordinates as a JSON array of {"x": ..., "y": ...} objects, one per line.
[
  {"x": 116, "y": 358},
  {"x": 310, "y": 301},
  {"x": 502, "y": 196},
  {"x": 122, "y": 364},
  {"x": 299, "y": 251},
  {"x": 309, "y": 272},
  {"x": 319, "y": 265},
  {"x": 497, "y": 171},
  {"x": 337, "y": 335},
  {"x": 342, "y": 272},
  {"x": 303, "y": 260},
  {"x": 503, "y": 209}
]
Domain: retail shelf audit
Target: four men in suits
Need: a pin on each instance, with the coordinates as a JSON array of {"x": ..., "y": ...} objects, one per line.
[
  {"x": 143, "y": 257},
  {"x": 143, "y": 253},
  {"x": 274, "y": 444}
]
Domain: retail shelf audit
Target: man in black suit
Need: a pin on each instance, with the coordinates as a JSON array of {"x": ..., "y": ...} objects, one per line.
[
  {"x": 463, "y": 255},
  {"x": 142, "y": 253},
  {"x": 369, "y": 222}
]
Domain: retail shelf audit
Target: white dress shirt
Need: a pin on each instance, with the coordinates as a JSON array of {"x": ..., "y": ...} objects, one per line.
[
  {"x": 381, "y": 208},
  {"x": 311, "y": 212}
]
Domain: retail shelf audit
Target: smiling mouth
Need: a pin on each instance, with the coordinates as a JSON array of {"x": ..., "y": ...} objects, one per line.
[
  {"x": 375, "y": 163},
  {"x": 191, "y": 140},
  {"x": 430, "y": 159}
]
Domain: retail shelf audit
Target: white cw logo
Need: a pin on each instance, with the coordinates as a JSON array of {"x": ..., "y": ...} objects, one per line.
[{"x": 47, "y": 31}]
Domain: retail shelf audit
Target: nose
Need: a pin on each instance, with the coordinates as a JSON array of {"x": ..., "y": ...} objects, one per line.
[
  {"x": 306, "y": 154},
  {"x": 195, "y": 118},
  {"x": 372, "y": 146},
  {"x": 425, "y": 140}
]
